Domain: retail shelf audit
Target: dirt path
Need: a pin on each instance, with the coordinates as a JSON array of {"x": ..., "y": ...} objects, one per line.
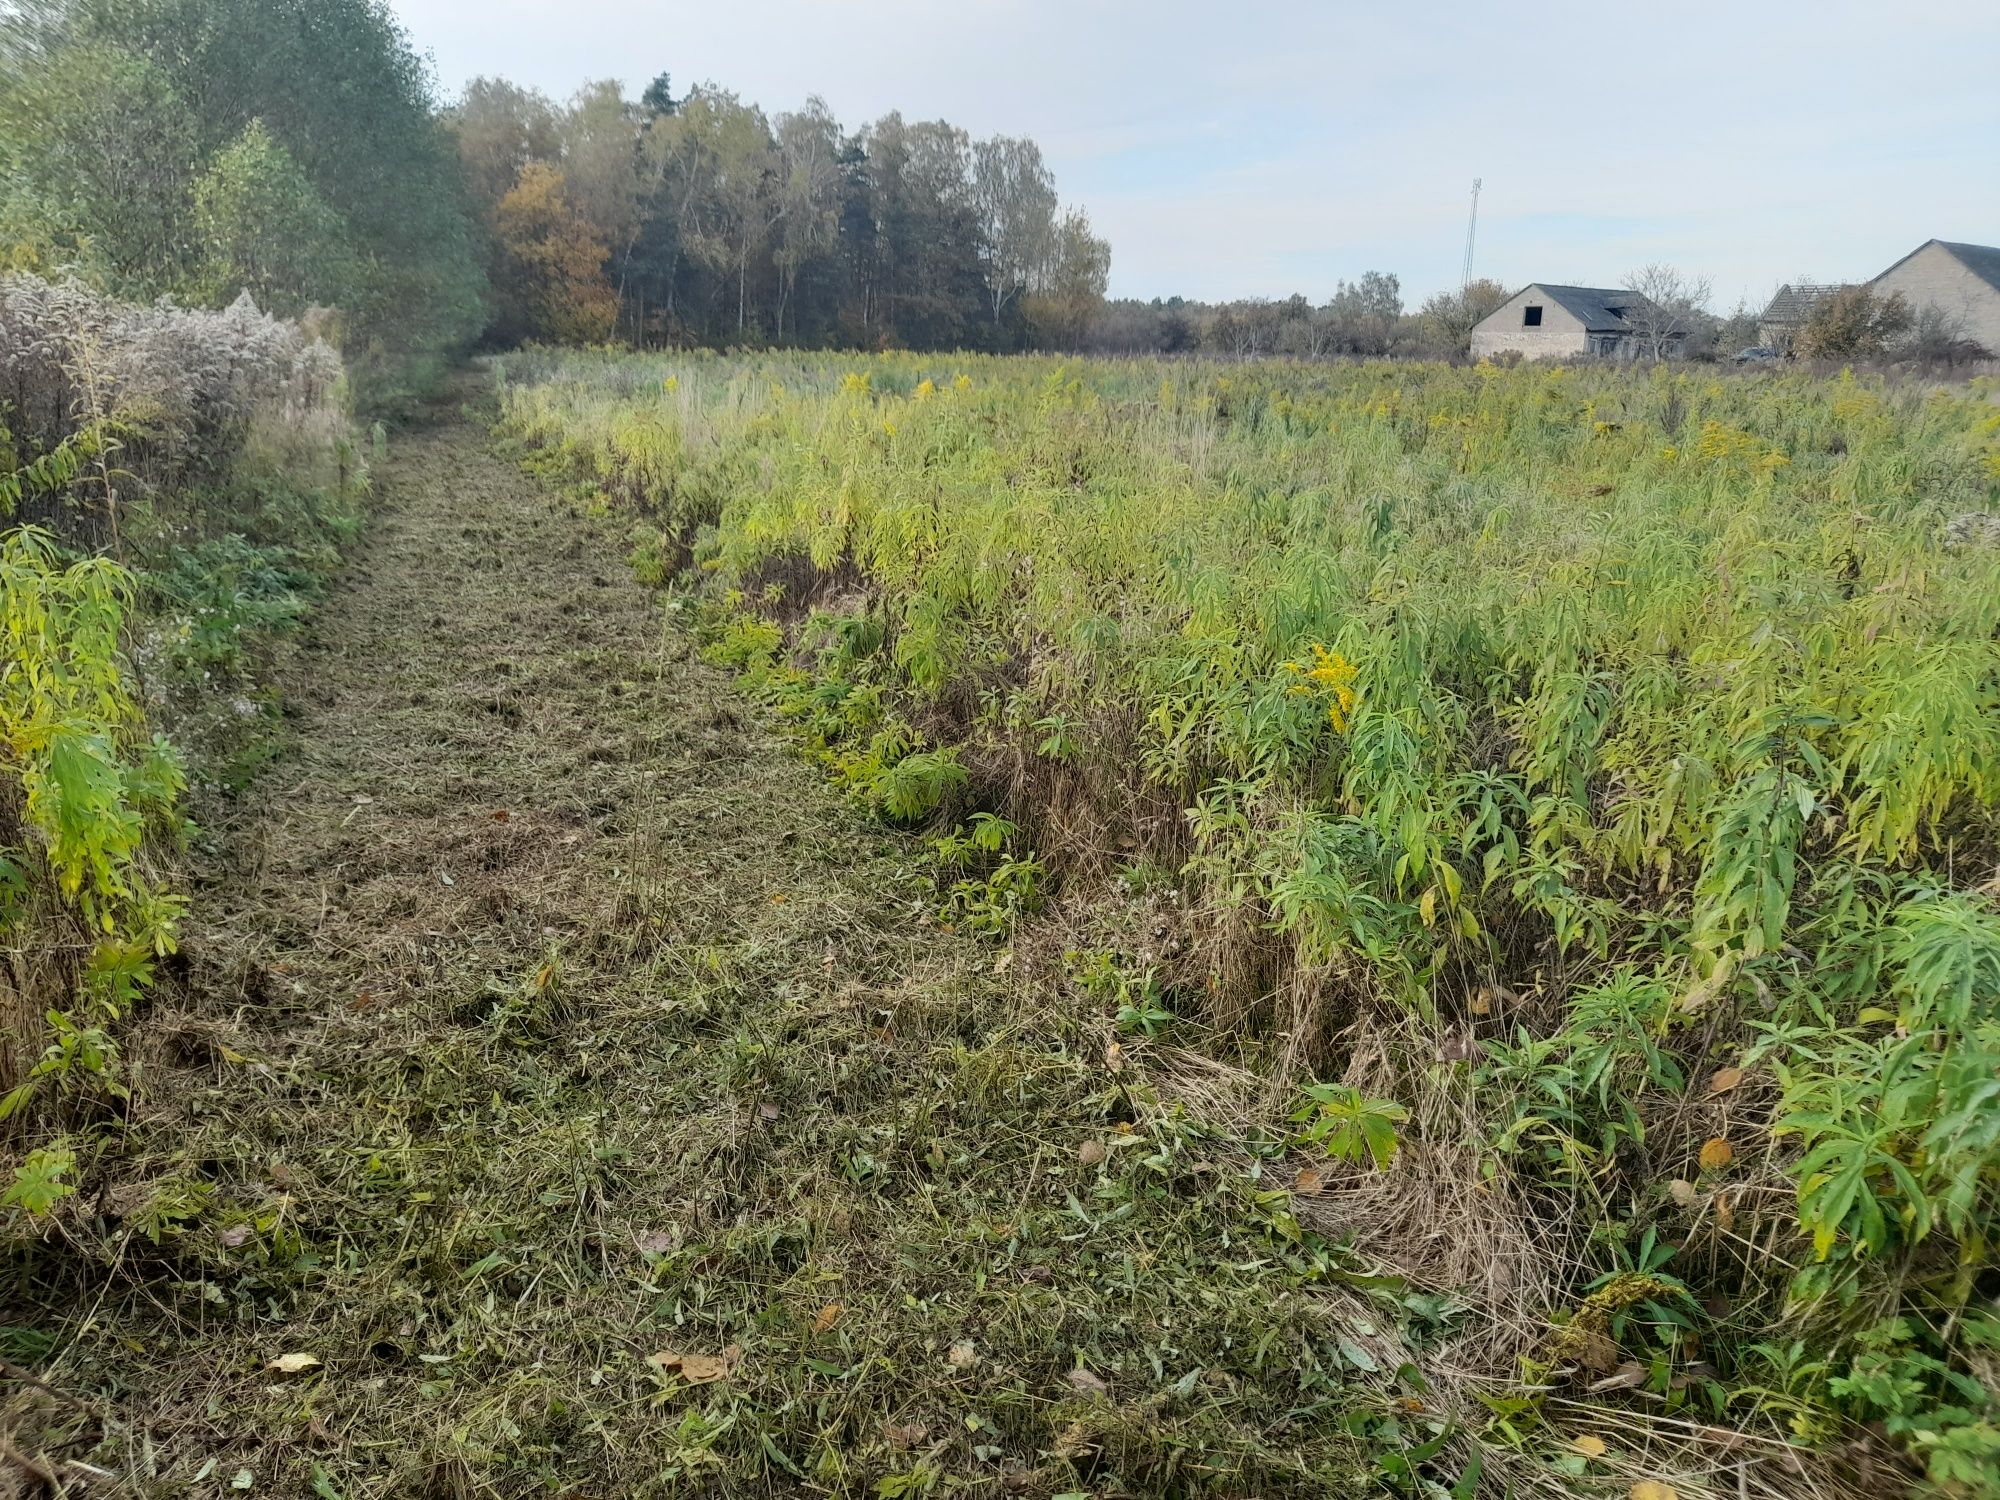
[{"x": 593, "y": 1095}]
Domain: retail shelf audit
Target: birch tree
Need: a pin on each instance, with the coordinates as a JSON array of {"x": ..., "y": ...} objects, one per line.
[
  {"x": 728, "y": 167},
  {"x": 808, "y": 193},
  {"x": 600, "y": 162},
  {"x": 1014, "y": 194}
]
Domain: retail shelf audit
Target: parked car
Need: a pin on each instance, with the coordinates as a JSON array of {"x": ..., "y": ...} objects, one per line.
[{"x": 1756, "y": 354}]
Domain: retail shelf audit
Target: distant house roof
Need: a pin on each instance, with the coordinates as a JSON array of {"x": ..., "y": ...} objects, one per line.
[
  {"x": 1795, "y": 304},
  {"x": 1982, "y": 261},
  {"x": 1600, "y": 309}
]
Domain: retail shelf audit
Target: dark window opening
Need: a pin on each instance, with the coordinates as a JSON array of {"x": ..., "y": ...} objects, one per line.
[{"x": 1531, "y": 316}]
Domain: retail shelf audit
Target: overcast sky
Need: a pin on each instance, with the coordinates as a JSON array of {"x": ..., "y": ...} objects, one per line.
[{"x": 1240, "y": 147}]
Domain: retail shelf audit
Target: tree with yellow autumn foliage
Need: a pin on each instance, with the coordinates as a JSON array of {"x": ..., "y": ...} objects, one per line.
[{"x": 549, "y": 278}]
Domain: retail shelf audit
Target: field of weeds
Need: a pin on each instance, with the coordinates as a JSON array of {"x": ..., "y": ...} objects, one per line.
[
  {"x": 1563, "y": 799},
  {"x": 560, "y": 1092}
]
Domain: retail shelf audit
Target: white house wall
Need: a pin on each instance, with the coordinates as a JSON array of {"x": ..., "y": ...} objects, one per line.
[
  {"x": 1934, "y": 277},
  {"x": 1560, "y": 336}
]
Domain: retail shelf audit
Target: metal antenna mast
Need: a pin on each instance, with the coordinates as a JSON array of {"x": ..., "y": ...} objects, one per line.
[{"x": 1471, "y": 230}]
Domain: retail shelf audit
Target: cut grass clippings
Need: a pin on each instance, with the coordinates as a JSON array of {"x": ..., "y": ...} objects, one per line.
[{"x": 568, "y": 1094}]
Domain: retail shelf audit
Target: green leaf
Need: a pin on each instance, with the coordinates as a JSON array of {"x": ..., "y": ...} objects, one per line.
[
  {"x": 38, "y": 1186},
  {"x": 1357, "y": 1357}
]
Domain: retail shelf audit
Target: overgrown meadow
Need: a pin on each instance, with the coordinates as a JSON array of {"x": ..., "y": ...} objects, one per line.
[{"x": 1574, "y": 789}]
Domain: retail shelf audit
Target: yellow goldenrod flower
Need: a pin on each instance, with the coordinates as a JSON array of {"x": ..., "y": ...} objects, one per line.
[{"x": 1329, "y": 674}]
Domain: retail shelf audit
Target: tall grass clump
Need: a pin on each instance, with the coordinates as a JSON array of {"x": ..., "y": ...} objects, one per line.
[
  {"x": 1598, "y": 767},
  {"x": 171, "y": 483}
]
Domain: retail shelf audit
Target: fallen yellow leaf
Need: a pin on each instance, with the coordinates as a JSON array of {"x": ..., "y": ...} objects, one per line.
[
  {"x": 828, "y": 1316},
  {"x": 1716, "y": 1153},
  {"x": 293, "y": 1364},
  {"x": 1090, "y": 1153},
  {"x": 697, "y": 1369},
  {"x": 1589, "y": 1446},
  {"x": 1725, "y": 1080},
  {"x": 1652, "y": 1489},
  {"x": 701, "y": 1369}
]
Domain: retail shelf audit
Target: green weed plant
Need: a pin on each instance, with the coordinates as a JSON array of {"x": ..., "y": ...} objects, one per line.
[{"x": 1635, "y": 735}]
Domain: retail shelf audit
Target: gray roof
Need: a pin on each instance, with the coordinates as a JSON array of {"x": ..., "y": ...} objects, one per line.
[
  {"x": 1601, "y": 309},
  {"x": 1795, "y": 304},
  {"x": 1982, "y": 261}
]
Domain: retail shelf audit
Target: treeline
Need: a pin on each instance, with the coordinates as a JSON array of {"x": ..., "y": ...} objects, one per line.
[
  {"x": 1364, "y": 319},
  {"x": 298, "y": 150},
  {"x": 700, "y": 219},
  {"x": 204, "y": 148}
]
